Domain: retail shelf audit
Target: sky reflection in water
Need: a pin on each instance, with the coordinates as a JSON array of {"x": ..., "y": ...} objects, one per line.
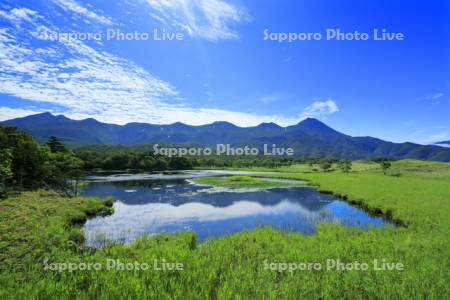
[{"x": 156, "y": 206}]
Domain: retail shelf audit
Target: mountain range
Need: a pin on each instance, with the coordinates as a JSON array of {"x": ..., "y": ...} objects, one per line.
[{"x": 309, "y": 138}]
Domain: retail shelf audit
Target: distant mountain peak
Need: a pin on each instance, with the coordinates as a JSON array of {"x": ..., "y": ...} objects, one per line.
[
  {"x": 311, "y": 121},
  {"x": 40, "y": 116},
  {"x": 178, "y": 125},
  {"x": 313, "y": 125},
  {"x": 222, "y": 122},
  {"x": 90, "y": 120},
  {"x": 269, "y": 125},
  {"x": 44, "y": 114},
  {"x": 222, "y": 125},
  {"x": 48, "y": 115}
]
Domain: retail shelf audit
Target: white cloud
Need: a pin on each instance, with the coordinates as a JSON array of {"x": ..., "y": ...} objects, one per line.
[
  {"x": 320, "y": 109},
  {"x": 77, "y": 77},
  {"x": 73, "y": 6},
  {"x": 7, "y": 113},
  {"x": 17, "y": 15},
  {"x": 87, "y": 82},
  {"x": 208, "y": 19}
]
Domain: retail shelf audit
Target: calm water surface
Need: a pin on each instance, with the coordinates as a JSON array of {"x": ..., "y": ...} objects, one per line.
[{"x": 156, "y": 203}]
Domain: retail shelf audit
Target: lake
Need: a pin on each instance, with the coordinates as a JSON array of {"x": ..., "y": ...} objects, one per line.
[{"x": 161, "y": 203}]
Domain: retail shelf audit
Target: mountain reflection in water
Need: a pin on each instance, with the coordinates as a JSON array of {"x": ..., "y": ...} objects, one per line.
[{"x": 157, "y": 206}]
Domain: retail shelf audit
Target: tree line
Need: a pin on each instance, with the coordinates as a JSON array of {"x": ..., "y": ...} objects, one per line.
[
  {"x": 25, "y": 164},
  {"x": 143, "y": 158}
]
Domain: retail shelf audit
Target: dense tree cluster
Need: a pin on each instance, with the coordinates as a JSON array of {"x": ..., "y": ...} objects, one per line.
[
  {"x": 25, "y": 164},
  {"x": 143, "y": 158},
  {"x": 134, "y": 158}
]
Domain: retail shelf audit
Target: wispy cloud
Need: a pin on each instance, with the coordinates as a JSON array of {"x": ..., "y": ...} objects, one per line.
[
  {"x": 208, "y": 19},
  {"x": 320, "y": 109},
  {"x": 73, "y": 75},
  {"x": 88, "y": 82},
  {"x": 434, "y": 96},
  {"x": 17, "y": 15},
  {"x": 73, "y": 6}
]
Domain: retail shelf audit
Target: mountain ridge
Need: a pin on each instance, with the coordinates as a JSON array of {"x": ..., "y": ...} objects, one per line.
[{"x": 309, "y": 138}]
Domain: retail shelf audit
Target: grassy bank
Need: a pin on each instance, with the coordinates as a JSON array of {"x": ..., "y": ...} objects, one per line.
[
  {"x": 36, "y": 224},
  {"x": 41, "y": 225}
]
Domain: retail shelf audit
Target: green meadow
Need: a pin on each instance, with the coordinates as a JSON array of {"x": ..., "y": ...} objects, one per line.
[{"x": 40, "y": 228}]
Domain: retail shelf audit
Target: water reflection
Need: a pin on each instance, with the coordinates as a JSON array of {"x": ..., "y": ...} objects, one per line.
[{"x": 155, "y": 206}]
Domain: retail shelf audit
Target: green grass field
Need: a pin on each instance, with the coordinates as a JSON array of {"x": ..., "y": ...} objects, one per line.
[{"x": 41, "y": 225}]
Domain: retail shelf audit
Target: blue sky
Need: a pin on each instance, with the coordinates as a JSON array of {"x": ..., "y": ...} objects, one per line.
[{"x": 224, "y": 69}]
